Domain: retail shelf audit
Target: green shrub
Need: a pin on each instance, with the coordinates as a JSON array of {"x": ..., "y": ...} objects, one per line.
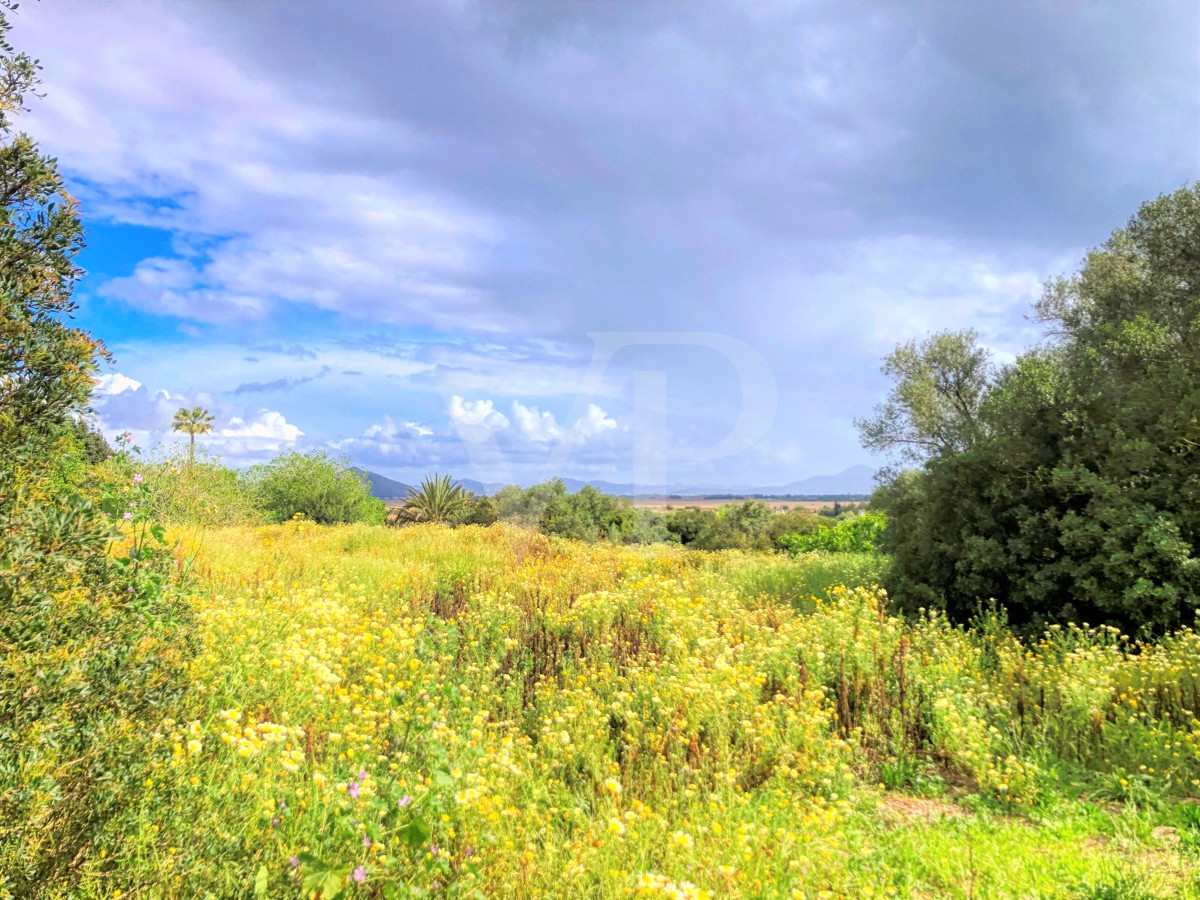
[
  {"x": 741, "y": 526},
  {"x": 315, "y": 485},
  {"x": 93, "y": 643},
  {"x": 589, "y": 515},
  {"x": 858, "y": 534},
  {"x": 196, "y": 492},
  {"x": 479, "y": 511}
]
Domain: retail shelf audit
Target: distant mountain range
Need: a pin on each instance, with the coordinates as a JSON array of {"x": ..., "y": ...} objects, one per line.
[
  {"x": 385, "y": 488},
  {"x": 854, "y": 481}
]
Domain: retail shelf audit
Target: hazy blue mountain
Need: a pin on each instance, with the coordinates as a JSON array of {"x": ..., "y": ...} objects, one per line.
[
  {"x": 856, "y": 480},
  {"x": 385, "y": 488}
]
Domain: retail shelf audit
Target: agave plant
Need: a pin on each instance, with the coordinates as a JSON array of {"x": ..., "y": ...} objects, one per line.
[{"x": 438, "y": 498}]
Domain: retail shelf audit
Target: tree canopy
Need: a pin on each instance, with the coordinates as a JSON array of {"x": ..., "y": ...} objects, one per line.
[{"x": 1072, "y": 489}]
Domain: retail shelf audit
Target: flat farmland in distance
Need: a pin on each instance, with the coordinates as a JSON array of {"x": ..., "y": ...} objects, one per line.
[{"x": 664, "y": 504}]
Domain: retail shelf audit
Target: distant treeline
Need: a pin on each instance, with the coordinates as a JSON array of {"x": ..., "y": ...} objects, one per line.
[
  {"x": 807, "y": 498},
  {"x": 199, "y": 490}
]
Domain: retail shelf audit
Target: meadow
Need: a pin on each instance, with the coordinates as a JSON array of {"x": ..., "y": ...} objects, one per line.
[{"x": 492, "y": 712}]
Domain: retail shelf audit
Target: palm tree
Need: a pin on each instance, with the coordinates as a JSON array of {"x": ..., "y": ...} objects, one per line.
[
  {"x": 438, "y": 499},
  {"x": 194, "y": 421}
]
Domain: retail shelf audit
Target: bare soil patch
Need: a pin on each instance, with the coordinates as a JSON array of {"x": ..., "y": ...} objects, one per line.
[{"x": 903, "y": 810}]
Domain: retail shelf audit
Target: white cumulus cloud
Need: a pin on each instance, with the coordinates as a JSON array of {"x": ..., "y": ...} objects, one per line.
[
  {"x": 477, "y": 414},
  {"x": 594, "y": 423},
  {"x": 116, "y": 383},
  {"x": 538, "y": 426},
  {"x": 268, "y": 425}
]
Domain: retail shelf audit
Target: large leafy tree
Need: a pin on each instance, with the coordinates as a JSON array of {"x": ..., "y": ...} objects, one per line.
[
  {"x": 934, "y": 406},
  {"x": 1078, "y": 494},
  {"x": 46, "y": 365}
]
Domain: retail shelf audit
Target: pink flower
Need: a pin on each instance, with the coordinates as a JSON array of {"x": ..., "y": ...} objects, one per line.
[
  {"x": 404, "y": 801},
  {"x": 137, "y": 479},
  {"x": 360, "y": 874},
  {"x": 127, "y": 517},
  {"x": 366, "y": 841}
]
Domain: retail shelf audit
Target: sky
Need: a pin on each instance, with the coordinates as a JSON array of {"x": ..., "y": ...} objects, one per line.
[{"x": 659, "y": 241}]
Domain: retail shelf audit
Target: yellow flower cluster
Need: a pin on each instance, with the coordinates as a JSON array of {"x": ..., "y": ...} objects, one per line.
[{"x": 526, "y": 717}]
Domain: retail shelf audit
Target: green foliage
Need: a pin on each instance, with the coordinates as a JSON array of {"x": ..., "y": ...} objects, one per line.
[
  {"x": 480, "y": 511},
  {"x": 46, "y": 366},
  {"x": 1079, "y": 495},
  {"x": 589, "y": 515},
  {"x": 91, "y": 647},
  {"x": 749, "y": 525},
  {"x": 439, "y": 499},
  {"x": 524, "y": 506},
  {"x": 650, "y": 528},
  {"x": 934, "y": 407},
  {"x": 796, "y": 580},
  {"x": 857, "y": 534},
  {"x": 185, "y": 490},
  {"x": 93, "y": 446},
  {"x": 315, "y": 485}
]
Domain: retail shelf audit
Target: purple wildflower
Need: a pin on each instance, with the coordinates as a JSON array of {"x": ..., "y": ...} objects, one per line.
[
  {"x": 366, "y": 841},
  {"x": 362, "y": 774},
  {"x": 404, "y": 801},
  {"x": 360, "y": 874},
  {"x": 352, "y": 790},
  {"x": 127, "y": 516},
  {"x": 137, "y": 479},
  {"x": 275, "y": 821},
  {"x": 294, "y": 862}
]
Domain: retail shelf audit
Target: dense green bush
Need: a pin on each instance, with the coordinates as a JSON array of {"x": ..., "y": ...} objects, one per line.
[
  {"x": 856, "y": 534},
  {"x": 477, "y": 511},
  {"x": 315, "y": 485},
  {"x": 589, "y": 515},
  {"x": 749, "y": 525},
  {"x": 524, "y": 506},
  {"x": 1071, "y": 488},
  {"x": 650, "y": 528}
]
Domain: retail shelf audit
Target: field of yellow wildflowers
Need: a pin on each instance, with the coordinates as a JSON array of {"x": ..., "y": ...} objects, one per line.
[{"x": 485, "y": 712}]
